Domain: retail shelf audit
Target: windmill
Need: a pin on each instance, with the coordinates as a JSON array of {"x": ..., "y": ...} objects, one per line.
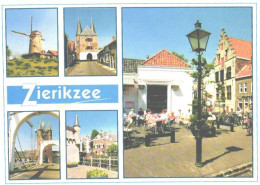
[{"x": 35, "y": 45}]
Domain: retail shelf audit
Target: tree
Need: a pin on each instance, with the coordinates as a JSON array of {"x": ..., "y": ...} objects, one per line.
[
  {"x": 206, "y": 69},
  {"x": 112, "y": 149},
  {"x": 8, "y": 52},
  {"x": 94, "y": 133},
  {"x": 181, "y": 56}
]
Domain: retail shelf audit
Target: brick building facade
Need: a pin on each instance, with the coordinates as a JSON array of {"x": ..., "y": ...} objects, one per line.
[
  {"x": 244, "y": 88},
  {"x": 102, "y": 141},
  {"x": 86, "y": 42},
  {"x": 107, "y": 56},
  {"x": 231, "y": 56}
]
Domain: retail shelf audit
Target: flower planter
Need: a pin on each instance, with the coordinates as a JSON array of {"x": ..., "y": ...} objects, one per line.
[
  {"x": 96, "y": 174},
  {"x": 72, "y": 165}
]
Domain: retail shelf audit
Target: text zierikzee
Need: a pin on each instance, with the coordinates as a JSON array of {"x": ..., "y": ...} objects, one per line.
[{"x": 58, "y": 93}]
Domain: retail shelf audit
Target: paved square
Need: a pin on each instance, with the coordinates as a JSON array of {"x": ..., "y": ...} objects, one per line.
[{"x": 165, "y": 159}]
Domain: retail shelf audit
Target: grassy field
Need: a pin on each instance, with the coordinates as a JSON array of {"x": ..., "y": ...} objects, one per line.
[{"x": 32, "y": 67}]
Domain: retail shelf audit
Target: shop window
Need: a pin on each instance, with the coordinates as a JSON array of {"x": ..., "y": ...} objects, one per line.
[{"x": 246, "y": 103}]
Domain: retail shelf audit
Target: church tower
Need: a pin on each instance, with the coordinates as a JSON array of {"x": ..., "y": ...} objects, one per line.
[
  {"x": 76, "y": 126},
  {"x": 86, "y": 42}
]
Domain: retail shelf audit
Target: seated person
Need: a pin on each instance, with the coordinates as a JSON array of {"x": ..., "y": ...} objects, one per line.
[
  {"x": 163, "y": 116},
  {"x": 150, "y": 118},
  {"x": 140, "y": 114},
  {"x": 171, "y": 118}
]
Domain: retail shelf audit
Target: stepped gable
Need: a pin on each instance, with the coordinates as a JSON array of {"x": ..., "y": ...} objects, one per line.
[
  {"x": 242, "y": 48},
  {"x": 165, "y": 58}
]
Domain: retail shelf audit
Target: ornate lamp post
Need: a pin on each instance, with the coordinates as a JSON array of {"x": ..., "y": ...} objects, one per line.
[{"x": 198, "y": 39}]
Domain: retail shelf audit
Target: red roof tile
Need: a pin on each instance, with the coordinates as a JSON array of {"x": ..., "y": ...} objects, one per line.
[
  {"x": 165, "y": 58},
  {"x": 242, "y": 48},
  {"x": 245, "y": 71},
  {"x": 70, "y": 129},
  {"x": 53, "y": 52}
]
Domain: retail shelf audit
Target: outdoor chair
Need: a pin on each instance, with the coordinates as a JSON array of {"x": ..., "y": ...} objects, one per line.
[{"x": 128, "y": 130}]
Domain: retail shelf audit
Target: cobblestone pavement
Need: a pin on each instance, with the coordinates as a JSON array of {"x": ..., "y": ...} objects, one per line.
[
  {"x": 45, "y": 171},
  {"x": 165, "y": 159},
  {"x": 80, "y": 172},
  {"x": 89, "y": 68}
]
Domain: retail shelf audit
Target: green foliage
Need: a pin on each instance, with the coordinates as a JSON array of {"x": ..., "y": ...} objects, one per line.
[
  {"x": 181, "y": 56},
  {"x": 8, "y": 52},
  {"x": 18, "y": 63},
  {"x": 95, "y": 173},
  {"x": 112, "y": 149},
  {"x": 206, "y": 68},
  {"x": 41, "y": 72},
  {"x": 10, "y": 63},
  {"x": 205, "y": 72},
  {"x": 94, "y": 133},
  {"x": 72, "y": 164},
  {"x": 27, "y": 65},
  {"x": 221, "y": 88},
  {"x": 9, "y": 72}
]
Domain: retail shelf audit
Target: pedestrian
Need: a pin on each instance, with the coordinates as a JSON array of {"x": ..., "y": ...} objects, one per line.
[{"x": 249, "y": 120}]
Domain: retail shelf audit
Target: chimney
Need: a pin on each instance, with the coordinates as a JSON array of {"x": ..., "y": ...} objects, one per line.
[
  {"x": 147, "y": 57},
  {"x": 114, "y": 37}
]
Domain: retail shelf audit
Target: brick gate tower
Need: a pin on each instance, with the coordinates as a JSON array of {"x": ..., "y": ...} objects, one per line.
[
  {"x": 44, "y": 134},
  {"x": 86, "y": 42}
]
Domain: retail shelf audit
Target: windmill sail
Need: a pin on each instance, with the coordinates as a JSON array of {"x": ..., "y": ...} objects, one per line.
[{"x": 21, "y": 33}]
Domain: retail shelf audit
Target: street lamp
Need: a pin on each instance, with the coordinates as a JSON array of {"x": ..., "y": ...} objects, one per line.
[{"x": 198, "y": 39}]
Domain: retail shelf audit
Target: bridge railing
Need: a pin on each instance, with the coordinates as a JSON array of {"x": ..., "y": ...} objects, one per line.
[
  {"x": 106, "y": 162},
  {"x": 23, "y": 164}
]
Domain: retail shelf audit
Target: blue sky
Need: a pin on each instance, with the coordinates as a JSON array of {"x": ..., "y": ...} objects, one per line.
[
  {"x": 104, "y": 21},
  {"x": 44, "y": 20},
  {"x": 25, "y": 131},
  {"x": 89, "y": 120},
  {"x": 147, "y": 31}
]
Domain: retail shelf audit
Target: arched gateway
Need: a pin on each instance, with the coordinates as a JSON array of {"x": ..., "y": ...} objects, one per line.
[
  {"x": 16, "y": 120},
  {"x": 45, "y": 144}
]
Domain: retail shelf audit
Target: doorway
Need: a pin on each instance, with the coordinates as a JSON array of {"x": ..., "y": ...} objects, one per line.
[
  {"x": 89, "y": 56},
  {"x": 156, "y": 98}
]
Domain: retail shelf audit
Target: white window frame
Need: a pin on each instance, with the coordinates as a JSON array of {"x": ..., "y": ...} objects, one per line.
[
  {"x": 240, "y": 87},
  {"x": 245, "y": 87}
]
